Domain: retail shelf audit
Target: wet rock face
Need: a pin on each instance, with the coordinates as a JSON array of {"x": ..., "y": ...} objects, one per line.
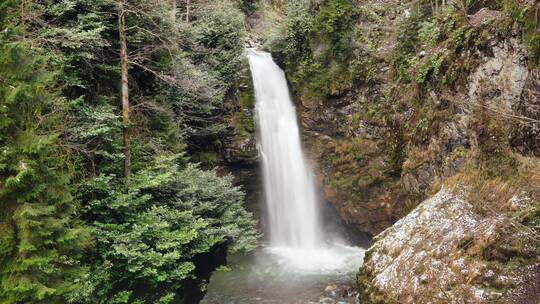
[
  {"x": 526, "y": 139},
  {"x": 354, "y": 171},
  {"x": 349, "y": 166},
  {"x": 241, "y": 150},
  {"x": 240, "y": 144},
  {"x": 428, "y": 256},
  {"x": 500, "y": 77}
]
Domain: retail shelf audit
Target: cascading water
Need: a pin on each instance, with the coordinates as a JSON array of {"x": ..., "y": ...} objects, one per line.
[
  {"x": 293, "y": 217},
  {"x": 288, "y": 181},
  {"x": 299, "y": 263}
]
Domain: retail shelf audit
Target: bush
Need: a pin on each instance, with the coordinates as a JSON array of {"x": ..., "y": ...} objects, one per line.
[
  {"x": 334, "y": 25},
  {"x": 149, "y": 235}
]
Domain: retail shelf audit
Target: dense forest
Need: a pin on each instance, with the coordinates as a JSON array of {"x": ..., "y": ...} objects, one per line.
[
  {"x": 101, "y": 101},
  {"x": 129, "y": 168}
]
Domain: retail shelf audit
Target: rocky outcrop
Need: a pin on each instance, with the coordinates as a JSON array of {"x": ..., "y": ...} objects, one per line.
[
  {"x": 375, "y": 169},
  {"x": 501, "y": 75},
  {"x": 240, "y": 144},
  {"x": 526, "y": 137},
  {"x": 424, "y": 96},
  {"x": 444, "y": 251},
  {"x": 352, "y": 168}
]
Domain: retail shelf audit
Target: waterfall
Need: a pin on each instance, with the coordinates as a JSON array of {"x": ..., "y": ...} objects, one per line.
[
  {"x": 299, "y": 261},
  {"x": 290, "y": 194}
]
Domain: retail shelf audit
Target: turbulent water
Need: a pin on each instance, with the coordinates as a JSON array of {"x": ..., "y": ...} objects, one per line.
[{"x": 303, "y": 262}]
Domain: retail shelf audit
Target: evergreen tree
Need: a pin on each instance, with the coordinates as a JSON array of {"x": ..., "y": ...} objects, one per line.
[
  {"x": 40, "y": 241},
  {"x": 61, "y": 134},
  {"x": 150, "y": 234}
]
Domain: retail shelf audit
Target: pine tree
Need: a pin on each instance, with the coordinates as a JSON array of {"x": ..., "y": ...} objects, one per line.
[{"x": 40, "y": 240}]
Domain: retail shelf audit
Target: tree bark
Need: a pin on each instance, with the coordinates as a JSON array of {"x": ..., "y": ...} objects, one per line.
[
  {"x": 188, "y": 10},
  {"x": 536, "y": 18},
  {"x": 173, "y": 10},
  {"x": 125, "y": 88}
]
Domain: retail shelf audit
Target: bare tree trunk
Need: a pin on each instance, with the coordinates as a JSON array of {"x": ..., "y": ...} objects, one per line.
[
  {"x": 536, "y": 18},
  {"x": 188, "y": 10},
  {"x": 173, "y": 11},
  {"x": 125, "y": 88}
]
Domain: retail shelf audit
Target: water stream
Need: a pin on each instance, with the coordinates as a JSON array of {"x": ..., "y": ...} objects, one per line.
[{"x": 302, "y": 262}]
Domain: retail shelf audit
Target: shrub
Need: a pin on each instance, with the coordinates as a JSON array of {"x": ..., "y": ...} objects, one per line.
[{"x": 149, "y": 234}]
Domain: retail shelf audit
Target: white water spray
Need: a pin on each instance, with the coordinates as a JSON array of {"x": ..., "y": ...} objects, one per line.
[
  {"x": 299, "y": 260},
  {"x": 289, "y": 189},
  {"x": 295, "y": 229}
]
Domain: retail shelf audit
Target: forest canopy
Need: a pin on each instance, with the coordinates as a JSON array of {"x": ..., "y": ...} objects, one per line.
[{"x": 99, "y": 101}]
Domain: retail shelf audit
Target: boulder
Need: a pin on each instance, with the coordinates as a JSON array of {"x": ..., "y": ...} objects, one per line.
[{"x": 443, "y": 252}]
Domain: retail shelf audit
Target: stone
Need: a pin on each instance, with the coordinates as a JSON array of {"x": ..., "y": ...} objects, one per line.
[
  {"x": 423, "y": 256},
  {"x": 499, "y": 80}
]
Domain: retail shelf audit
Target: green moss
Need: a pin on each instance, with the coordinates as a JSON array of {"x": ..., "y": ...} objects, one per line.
[
  {"x": 314, "y": 46},
  {"x": 528, "y": 17},
  {"x": 243, "y": 117},
  {"x": 244, "y": 105},
  {"x": 310, "y": 80},
  {"x": 333, "y": 25},
  {"x": 246, "y": 97}
]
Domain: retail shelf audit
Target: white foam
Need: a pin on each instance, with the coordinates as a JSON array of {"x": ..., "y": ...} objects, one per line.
[{"x": 335, "y": 258}]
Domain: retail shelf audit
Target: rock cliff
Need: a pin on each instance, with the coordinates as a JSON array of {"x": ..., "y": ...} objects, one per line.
[{"x": 422, "y": 118}]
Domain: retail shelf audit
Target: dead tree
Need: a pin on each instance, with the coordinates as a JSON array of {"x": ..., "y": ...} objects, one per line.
[{"x": 125, "y": 88}]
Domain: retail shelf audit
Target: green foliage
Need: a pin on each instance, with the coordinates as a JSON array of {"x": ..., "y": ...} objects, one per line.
[
  {"x": 149, "y": 234},
  {"x": 248, "y": 6},
  {"x": 293, "y": 41},
  {"x": 206, "y": 77},
  {"x": 220, "y": 33},
  {"x": 407, "y": 27},
  {"x": 96, "y": 130},
  {"x": 407, "y": 39},
  {"x": 428, "y": 34},
  {"x": 527, "y": 16},
  {"x": 334, "y": 24},
  {"x": 363, "y": 66},
  {"x": 430, "y": 67},
  {"x": 41, "y": 239},
  {"x": 80, "y": 44},
  {"x": 314, "y": 45},
  {"x": 61, "y": 138}
]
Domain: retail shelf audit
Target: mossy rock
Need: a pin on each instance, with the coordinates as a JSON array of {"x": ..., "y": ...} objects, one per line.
[{"x": 240, "y": 146}]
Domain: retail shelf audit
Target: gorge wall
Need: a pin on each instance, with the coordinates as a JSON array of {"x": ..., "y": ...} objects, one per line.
[
  {"x": 387, "y": 90},
  {"x": 424, "y": 113}
]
